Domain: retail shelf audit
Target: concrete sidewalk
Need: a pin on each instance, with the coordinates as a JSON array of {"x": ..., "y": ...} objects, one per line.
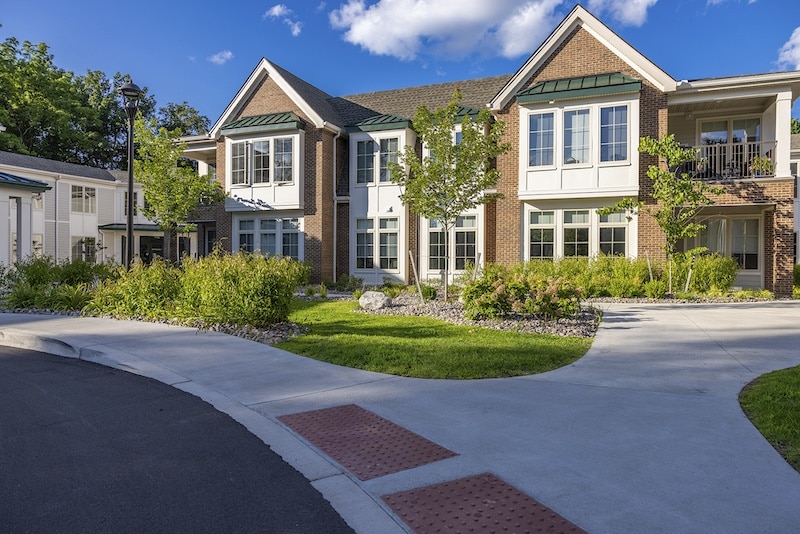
[{"x": 643, "y": 434}]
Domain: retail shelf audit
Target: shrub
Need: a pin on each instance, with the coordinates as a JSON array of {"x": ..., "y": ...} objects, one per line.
[
  {"x": 428, "y": 292},
  {"x": 241, "y": 289},
  {"x": 501, "y": 291},
  {"x": 24, "y": 295},
  {"x": 709, "y": 272},
  {"x": 655, "y": 289},
  {"x": 796, "y": 275},
  {"x": 69, "y": 297},
  {"x": 147, "y": 291}
]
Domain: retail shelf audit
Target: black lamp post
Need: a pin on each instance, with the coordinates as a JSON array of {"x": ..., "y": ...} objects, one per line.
[{"x": 131, "y": 94}]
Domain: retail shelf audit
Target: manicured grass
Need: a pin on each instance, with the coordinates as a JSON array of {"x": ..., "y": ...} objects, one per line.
[
  {"x": 423, "y": 347},
  {"x": 772, "y": 402}
]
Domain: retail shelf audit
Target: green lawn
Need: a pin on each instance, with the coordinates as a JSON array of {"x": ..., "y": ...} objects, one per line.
[
  {"x": 772, "y": 402},
  {"x": 423, "y": 347}
]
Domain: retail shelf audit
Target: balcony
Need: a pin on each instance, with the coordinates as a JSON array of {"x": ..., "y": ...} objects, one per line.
[{"x": 731, "y": 161}]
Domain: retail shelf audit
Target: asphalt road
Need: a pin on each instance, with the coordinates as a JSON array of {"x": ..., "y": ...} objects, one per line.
[{"x": 86, "y": 448}]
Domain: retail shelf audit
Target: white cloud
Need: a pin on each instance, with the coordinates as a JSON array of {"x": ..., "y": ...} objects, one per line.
[
  {"x": 277, "y": 11},
  {"x": 446, "y": 28},
  {"x": 280, "y": 11},
  {"x": 630, "y": 12},
  {"x": 220, "y": 58},
  {"x": 789, "y": 54}
]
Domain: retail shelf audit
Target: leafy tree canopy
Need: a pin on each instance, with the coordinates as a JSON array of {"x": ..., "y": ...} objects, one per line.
[{"x": 53, "y": 113}]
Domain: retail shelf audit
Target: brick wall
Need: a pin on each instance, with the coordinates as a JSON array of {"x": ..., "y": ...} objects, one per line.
[
  {"x": 579, "y": 55},
  {"x": 778, "y": 250}
]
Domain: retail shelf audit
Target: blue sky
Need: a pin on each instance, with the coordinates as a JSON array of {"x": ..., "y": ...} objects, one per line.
[{"x": 186, "y": 51}]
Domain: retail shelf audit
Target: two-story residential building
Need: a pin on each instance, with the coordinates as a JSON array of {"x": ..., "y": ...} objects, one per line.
[
  {"x": 307, "y": 172},
  {"x": 68, "y": 211}
]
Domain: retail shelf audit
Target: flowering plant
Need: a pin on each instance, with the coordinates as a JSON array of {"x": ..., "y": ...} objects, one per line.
[{"x": 761, "y": 165}]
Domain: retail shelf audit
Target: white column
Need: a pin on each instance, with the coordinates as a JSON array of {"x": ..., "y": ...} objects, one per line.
[
  {"x": 783, "y": 119},
  {"x": 5, "y": 230}
]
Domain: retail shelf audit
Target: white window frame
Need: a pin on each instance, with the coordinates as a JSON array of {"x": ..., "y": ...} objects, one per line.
[
  {"x": 380, "y": 158},
  {"x": 612, "y": 221},
  {"x": 540, "y": 226},
  {"x": 595, "y": 157},
  {"x": 88, "y": 199},
  {"x": 276, "y": 166},
  {"x": 287, "y": 231}
]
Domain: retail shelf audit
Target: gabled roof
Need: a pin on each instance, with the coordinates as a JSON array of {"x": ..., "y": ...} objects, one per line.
[
  {"x": 50, "y": 166},
  {"x": 580, "y": 87},
  {"x": 18, "y": 182},
  {"x": 580, "y": 17},
  {"x": 313, "y": 102},
  {"x": 262, "y": 123}
]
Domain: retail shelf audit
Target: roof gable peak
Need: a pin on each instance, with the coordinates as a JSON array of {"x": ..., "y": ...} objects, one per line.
[{"x": 579, "y": 17}]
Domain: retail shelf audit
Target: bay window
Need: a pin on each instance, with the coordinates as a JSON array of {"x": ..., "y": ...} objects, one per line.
[
  {"x": 614, "y": 133},
  {"x": 375, "y": 154},
  {"x": 257, "y": 162},
  {"x": 576, "y": 136}
]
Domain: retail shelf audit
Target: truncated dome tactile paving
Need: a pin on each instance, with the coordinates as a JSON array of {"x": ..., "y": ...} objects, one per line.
[
  {"x": 364, "y": 443},
  {"x": 481, "y": 503}
]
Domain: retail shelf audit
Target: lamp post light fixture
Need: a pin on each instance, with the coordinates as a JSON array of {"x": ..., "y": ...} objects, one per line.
[{"x": 131, "y": 95}]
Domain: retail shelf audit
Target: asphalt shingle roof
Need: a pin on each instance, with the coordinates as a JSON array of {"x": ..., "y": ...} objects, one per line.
[{"x": 54, "y": 167}]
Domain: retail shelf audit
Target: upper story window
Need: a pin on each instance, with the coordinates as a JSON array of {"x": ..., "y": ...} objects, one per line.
[
  {"x": 84, "y": 199},
  {"x": 262, "y": 161},
  {"x": 371, "y": 155},
  {"x": 576, "y": 136},
  {"x": 587, "y": 135},
  {"x": 614, "y": 133},
  {"x": 542, "y": 139}
]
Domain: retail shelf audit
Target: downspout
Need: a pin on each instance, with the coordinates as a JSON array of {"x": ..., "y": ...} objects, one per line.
[
  {"x": 55, "y": 223},
  {"x": 335, "y": 202}
]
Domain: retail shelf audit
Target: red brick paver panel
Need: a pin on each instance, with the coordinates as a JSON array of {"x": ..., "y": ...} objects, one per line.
[
  {"x": 478, "y": 504},
  {"x": 364, "y": 443}
]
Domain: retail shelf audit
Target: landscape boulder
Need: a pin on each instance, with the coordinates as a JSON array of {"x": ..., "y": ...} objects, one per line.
[{"x": 374, "y": 300}]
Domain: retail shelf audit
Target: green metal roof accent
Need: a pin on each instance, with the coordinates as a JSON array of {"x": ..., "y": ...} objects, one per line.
[
  {"x": 580, "y": 87},
  {"x": 463, "y": 111},
  {"x": 264, "y": 123},
  {"x": 380, "y": 122},
  {"x": 18, "y": 182}
]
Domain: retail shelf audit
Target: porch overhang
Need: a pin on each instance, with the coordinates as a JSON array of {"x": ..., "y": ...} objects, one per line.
[
  {"x": 736, "y": 209},
  {"x": 18, "y": 182}
]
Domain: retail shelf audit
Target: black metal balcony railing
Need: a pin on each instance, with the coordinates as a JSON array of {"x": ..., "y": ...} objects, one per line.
[{"x": 730, "y": 161}]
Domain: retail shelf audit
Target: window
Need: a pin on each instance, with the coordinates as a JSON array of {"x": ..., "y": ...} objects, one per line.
[
  {"x": 541, "y": 139},
  {"x": 437, "y": 248},
  {"x": 238, "y": 167},
  {"x": 269, "y": 237},
  {"x": 466, "y": 235},
  {"x": 283, "y": 160},
  {"x": 371, "y": 155},
  {"x": 614, "y": 133},
  {"x": 84, "y": 248},
  {"x": 84, "y": 199},
  {"x": 365, "y": 162},
  {"x": 261, "y": 162},
  {"x": 388, "y": 155},
  {"x": 365, "y": 244},
  {"x": 612, "y": 234},
  {"x": 542, "y": 235},
  {"x": 388, "y": 229},
  {"x": 576, "y": 136},
  {"x": 388, "y": 243},
  {"x": 135, "y": 204},
  {"x": 254, "y": 162},
  {"x": 291, "y": 238},
  {"x": 246, "y": 235},
  {"x": 576, "y": 233},
  {"x": 744, "y": 243}
]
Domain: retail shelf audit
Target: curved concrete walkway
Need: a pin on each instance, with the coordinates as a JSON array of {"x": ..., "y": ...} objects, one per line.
[{"x": 643, "y": 434}]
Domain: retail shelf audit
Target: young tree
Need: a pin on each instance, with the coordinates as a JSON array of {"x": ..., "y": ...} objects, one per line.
[
  {"x": 455, "y": 176},
  {"x": 679, "y": 197},
  {"x": 795, "y": 126},
  {"x": 172, "y": 191}
]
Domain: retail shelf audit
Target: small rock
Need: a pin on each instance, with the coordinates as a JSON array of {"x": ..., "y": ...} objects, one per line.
[{"x": 374, "y": 300}]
